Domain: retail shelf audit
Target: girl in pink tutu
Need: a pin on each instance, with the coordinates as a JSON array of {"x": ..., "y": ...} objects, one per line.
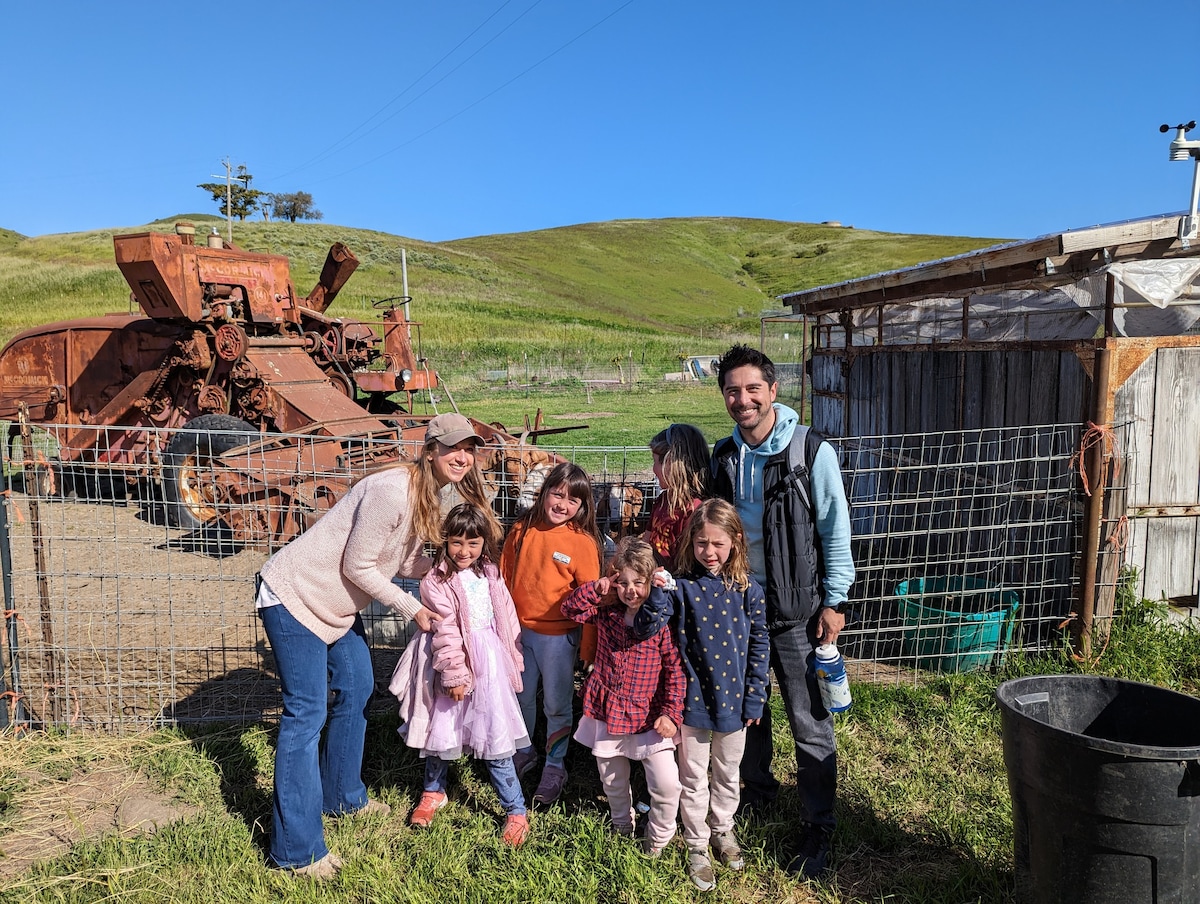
[
  {"x": 633, "y": 699},
  {"x": 458, "y": 683}
]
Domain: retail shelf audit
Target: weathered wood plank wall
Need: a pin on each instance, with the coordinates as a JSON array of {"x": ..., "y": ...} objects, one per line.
[{"x": 1159, "y": 411}]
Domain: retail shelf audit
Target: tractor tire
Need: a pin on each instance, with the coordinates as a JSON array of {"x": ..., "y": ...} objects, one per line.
[{"x": 186, "y": 492}]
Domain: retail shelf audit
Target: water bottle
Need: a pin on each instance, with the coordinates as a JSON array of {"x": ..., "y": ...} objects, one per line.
[{"x": 831, "y": 679}]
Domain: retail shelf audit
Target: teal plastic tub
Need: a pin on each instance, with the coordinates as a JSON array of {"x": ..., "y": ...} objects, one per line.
[{"x": 955, "y": 624}]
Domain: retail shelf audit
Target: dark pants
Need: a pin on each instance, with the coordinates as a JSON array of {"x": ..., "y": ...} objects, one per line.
[{"x": 812, "y": 730}]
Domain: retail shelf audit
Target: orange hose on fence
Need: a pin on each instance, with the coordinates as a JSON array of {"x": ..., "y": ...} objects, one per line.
[
  {"x": 1095, "y": 435},
  {"x": 16, "y": 508}
]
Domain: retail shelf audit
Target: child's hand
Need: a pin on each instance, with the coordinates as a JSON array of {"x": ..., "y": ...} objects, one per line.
[
  {"x": 604, "y": 591},
  {"x": 753, "y": 721},
  {"x": 457, "y": 694},
  {"x": 426, "y": 619},
  {"x": 665, "y": 727},
  {"x": 663, "y": 580}
]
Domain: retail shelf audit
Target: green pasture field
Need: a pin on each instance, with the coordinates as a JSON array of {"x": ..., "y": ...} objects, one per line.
[
  {"x": 575, "y": 296},
  {"x": 923, "y": 808},
  {"x": 614, "y": 417}
]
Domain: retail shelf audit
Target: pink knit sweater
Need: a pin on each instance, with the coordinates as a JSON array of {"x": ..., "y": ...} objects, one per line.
[{"x": 334, "y": 569}]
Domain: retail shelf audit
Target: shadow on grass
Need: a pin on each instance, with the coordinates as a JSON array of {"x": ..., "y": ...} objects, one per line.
[{"x": 877, "y": 859}]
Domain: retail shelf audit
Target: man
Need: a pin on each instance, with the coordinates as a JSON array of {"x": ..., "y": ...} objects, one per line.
[{"x": 798, "y": 533}]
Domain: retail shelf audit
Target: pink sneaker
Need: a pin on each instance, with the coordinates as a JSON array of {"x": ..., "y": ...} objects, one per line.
[
  {"x": 427, "y": 807},
  {"x": 516, "y": 830}
]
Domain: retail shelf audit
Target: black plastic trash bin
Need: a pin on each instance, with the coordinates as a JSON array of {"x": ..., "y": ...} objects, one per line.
[{"x": 1104, "y": 776}]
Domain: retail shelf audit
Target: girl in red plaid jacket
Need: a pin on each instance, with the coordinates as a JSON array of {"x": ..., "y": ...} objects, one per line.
[{"x": 633, "y": 699}]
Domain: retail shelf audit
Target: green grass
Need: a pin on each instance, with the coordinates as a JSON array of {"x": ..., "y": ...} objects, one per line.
[
  {"x": 923, "y": 807},
  {"x": 574, "y": 296}
]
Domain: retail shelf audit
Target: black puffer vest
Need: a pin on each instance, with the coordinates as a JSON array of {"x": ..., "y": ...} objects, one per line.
[{"x": 791, "y": 548}]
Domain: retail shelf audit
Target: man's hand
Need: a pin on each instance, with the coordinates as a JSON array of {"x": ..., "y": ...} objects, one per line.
[
  {"x": 426, "y": 619},
  {"x": 829, "y": 625}
]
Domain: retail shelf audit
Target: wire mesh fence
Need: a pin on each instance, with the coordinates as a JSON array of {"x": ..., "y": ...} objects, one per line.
[{"x": 129, "y": 580}]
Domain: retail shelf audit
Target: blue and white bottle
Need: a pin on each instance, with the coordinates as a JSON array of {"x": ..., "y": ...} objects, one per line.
[{"x": 831, "y": 678}]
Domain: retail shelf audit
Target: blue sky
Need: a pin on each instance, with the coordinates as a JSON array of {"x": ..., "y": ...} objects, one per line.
[{"x": 442, "y": 120}]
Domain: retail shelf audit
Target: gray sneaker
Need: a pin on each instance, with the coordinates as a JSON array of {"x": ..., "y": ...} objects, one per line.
[
  {"x": 524, "y": 761},
  {"x": 700, "y": 871},
  {"x": 551, "y": 785},
  {"x": 729, "y": 852}
]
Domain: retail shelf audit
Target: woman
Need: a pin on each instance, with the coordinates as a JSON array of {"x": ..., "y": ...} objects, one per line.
[{"x": 311, "y": 594}]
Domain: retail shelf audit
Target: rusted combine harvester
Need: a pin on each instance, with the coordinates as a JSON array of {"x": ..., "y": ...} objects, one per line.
[{"x": 253, "y": 390}]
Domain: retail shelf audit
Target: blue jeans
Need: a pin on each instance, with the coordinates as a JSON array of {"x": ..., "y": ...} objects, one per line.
[
  {"x": 504, "y": 780},
  {"x": 314, "y": 777},
  {"x": 552, "y": 658}
]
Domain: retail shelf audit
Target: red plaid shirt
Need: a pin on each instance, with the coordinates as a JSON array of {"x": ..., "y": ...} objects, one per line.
[{"x": 634, "y": 681}]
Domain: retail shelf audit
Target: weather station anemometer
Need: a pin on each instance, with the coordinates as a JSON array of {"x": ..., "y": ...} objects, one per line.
[{"x": 1182, "y": 149}]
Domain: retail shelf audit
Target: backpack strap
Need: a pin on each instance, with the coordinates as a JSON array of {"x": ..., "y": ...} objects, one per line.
[{"x": 801, "y": 453}]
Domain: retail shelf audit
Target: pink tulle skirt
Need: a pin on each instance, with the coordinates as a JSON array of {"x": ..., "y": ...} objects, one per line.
[{"x": 487, "y": 724}]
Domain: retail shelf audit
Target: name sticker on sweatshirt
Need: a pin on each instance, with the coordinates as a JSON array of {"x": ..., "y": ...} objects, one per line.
[{"x": 562, "y": 557}]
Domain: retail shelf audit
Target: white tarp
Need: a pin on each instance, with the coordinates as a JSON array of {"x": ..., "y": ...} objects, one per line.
[{"x": 1153, "y": 298}]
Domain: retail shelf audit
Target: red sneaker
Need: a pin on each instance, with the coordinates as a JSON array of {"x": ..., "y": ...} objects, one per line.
[
  {"x": 430, "y": 803},
  {"x": 516, "y": 830}
]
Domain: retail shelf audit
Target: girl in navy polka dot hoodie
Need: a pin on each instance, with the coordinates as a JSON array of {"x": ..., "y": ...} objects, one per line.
[{"x": 721, "y": 625}]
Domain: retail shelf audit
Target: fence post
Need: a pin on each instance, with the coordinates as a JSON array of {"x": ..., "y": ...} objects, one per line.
[
  {"x": 15, "y": 715},
  {"x": 39, "y": 553}
]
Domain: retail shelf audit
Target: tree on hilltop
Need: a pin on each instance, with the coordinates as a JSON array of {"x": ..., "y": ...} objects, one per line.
[
  {"x": 242, "y": 199},
  {"x": 293, "y": 206}
]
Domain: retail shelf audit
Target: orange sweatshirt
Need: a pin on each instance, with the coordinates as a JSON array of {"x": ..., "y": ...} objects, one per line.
[{"x": 554, "y": 561}]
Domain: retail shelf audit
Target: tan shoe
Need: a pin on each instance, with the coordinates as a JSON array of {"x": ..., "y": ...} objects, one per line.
[
  {"x": 729, "y": 852},
  {"x": 373, "y": 808},
  {"x": 322, "y": 870}
]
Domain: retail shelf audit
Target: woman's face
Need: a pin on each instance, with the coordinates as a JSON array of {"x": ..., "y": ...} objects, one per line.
[{"x": 450, "y": 464}]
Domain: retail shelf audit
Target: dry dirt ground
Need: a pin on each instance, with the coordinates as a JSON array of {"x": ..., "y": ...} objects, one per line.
[{"x": 49, "y": 815}]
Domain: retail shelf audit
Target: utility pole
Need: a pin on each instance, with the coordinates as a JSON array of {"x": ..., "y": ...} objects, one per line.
[{"x": 228, "y": 196}]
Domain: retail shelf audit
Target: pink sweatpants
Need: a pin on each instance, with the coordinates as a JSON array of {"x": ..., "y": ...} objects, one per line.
[
  {"x": 662, "y": 780},
  {"x": 708, "y": 806}
]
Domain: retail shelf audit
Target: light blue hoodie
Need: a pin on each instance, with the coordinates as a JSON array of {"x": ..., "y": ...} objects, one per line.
[{"x": 831, "y": 512}]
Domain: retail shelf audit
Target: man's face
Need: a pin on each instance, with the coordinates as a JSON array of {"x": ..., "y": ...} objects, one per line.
[{"x": 748, "y": 399}]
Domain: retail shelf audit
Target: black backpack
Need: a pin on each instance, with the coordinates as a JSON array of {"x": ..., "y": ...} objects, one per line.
[{"x": 801, "y": 453}]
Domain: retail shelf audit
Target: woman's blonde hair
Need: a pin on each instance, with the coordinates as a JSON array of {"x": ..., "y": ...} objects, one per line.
[
  {"x": 685, "y": 465},
  {"x": 425, "y": 493},
  {"x": 720, "y": 514},
  {"x": 635, "y": 554}
]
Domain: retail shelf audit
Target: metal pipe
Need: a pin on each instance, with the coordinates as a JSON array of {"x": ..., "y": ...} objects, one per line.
[{"x": 1094, "y": 509}]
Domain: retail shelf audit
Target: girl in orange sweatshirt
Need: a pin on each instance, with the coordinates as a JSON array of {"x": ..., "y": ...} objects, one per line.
[{"x": 550, "y": 551}]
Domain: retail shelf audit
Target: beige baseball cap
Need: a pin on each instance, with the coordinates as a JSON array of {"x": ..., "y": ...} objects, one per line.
[{"x": 451, "y": 429}]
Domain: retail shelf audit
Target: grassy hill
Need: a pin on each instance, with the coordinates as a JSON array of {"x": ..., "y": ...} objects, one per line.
[{"x": 577, "y": 294}]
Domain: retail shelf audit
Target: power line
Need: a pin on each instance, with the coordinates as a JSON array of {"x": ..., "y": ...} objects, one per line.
[
  {"x": 477, "y": 102},
  {"x": 343, "y": 141}
]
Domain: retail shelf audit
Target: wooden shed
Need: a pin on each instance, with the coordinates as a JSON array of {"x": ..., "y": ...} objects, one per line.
[{"x": 1088, "y": 338}]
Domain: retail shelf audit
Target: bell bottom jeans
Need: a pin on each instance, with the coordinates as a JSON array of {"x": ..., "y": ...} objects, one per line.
[{"x": 314, "y": 776}]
